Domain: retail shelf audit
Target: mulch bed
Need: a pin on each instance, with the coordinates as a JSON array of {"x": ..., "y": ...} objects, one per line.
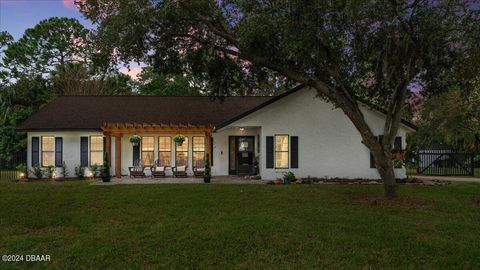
[{"x": 380, "y": 201}]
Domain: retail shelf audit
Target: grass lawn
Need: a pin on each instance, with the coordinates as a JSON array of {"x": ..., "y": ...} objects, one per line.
[{"x": 238, "y": 226}]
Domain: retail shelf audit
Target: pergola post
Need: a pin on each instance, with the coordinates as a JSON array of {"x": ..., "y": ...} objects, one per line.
[
  {"x": 108, "y": 148},
  {"x": 208, "y": 144},
  {"x": 118, "y": 155}
]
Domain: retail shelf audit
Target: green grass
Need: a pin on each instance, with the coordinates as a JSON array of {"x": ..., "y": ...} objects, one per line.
[{"x": 237, "y": 227}]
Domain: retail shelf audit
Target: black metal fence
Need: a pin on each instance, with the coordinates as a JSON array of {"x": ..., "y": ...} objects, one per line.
[
  {"x": 8, "y": 167},
  {"x": 445, "y": 163}
]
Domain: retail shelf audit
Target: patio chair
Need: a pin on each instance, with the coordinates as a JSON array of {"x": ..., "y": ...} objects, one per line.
[
  {"x": 180, "y": 170},
  {"x": 137, "y": 170},
  {"x": 199, "y": 168},
  {"x": 158, "y": 170}
]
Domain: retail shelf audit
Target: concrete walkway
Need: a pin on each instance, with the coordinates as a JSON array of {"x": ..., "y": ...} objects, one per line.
[
  {"x": 447, "y": 178},
  {"x": 171, "y": 180}
]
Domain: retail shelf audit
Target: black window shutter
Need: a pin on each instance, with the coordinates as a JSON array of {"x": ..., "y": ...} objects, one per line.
[
  {"x": 58, "y": 151},
  {"x": 35, "y": 150},
  {"x": 398, "y": 143},
  {"x": 84, "y": 151},
  {"x": 211, "y": 150},
  {"x": 294, "y": 152},
  {"x": 136, "y": 154},
  {"x": 269, "y": 144}
]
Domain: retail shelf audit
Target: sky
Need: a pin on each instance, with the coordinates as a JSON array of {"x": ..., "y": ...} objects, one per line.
[{"x": 18, "y": 15}]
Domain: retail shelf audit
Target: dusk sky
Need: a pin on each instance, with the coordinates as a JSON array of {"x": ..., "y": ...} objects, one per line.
[{"x": 18, "y": 15}]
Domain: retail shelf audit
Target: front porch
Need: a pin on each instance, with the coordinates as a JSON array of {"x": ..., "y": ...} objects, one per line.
[
  {"x": 156, "y": 146},
  {"x": 171, "y": 180}
]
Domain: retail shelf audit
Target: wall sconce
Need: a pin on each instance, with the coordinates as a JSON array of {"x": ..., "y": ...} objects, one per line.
[{"x": 242, "y": 129}]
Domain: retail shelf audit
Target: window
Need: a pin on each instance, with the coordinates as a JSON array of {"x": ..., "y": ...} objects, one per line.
[
  {"x": 48, "y": 151},
  {"x": 147, "y": 150},
  {"x": 281, "y": 151},
  {"x": 165, "y": 150},
  {"x": 198, "y": 151},
  {"x": 96, "y": 150},
  {"x": 181, "y": 153}
]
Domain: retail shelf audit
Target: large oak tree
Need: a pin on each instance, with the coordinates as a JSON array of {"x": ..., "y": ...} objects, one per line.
[{"x": 346, "y": 50}]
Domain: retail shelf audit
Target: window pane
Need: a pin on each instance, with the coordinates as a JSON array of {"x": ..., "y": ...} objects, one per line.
[
  {"x": 281, "y": 143},
  {"x": 198, "y": 158},
  {"x": 165, "y": 158},
  {"x": 47, "y": 159},
  {"x": 181, "y": 158},
  {"x": 184, "y": 146},
  {"x": 96, "y": 158},
  {"x": 281, "y": 160},
  {"x": 164, "y": 143},
  {"x": 147, "y": 158},
  {"x": 47, "y": 143},
  {"x": 147, "y": 143},
  {"x": 198, "y": 143},
  {"x": 96, "y": 143}
]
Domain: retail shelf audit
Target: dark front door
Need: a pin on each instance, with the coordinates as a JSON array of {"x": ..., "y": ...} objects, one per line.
[{"x": 241, "y": 155}]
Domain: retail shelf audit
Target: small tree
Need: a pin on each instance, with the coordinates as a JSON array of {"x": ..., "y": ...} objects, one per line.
[
  {"x": 105, "y": 169},
  {"x": 206, "y": 171}
]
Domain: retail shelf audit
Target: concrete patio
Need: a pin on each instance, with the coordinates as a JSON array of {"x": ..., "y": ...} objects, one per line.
[{"x": 170, "y": 180}]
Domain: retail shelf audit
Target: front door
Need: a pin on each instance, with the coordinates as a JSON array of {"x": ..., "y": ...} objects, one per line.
[{"x": 241, "y": 155}]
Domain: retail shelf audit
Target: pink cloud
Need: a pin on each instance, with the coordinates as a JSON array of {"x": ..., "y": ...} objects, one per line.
[
  {"x": 68, "y": 3},
  {"x": 132, "y": 72}
]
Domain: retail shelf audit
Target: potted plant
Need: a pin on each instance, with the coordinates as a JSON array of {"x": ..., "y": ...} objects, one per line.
[
  {"x": 179, "y": 139},
  {"x": 135, "y": 140},
  {"x": 105, "y": 173},
  {"x": 288, "y": 177},
  {"x": 206, "y": 171}
]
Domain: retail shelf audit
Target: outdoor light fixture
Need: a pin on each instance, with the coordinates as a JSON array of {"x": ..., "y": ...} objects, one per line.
[
  {"x": 242, "y": 129},
  {"x": 22, "y": 175},
  {"x": 54, "y": 175}
]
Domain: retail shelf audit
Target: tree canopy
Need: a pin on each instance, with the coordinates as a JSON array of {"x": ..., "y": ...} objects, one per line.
[{"x": 346, "y": 50}]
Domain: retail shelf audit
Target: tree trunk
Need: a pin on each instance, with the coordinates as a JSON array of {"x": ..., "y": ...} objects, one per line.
[{"x": 384, "y": 165}]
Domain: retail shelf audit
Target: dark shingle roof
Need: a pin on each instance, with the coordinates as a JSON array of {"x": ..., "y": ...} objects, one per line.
[{"x": 90, "y": 112}]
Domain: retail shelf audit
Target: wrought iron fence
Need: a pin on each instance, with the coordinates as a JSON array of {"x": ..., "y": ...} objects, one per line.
[
  {"x": 445, "y": 163},
  {"x": 8, "y": 167}
]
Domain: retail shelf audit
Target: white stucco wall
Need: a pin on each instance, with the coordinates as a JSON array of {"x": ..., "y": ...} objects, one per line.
[{"x": 329, "y": 144}]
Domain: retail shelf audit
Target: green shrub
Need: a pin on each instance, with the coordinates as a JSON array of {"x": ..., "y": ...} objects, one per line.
[
  {"x": 37, "y": 171},
  {"x": 80, "y": 171},
  {"x": 22, "y": 169},
  {"x": 94, "y": 170},
  {"x": 50, "y": 170},
  {"x": 64, "y": 169}
]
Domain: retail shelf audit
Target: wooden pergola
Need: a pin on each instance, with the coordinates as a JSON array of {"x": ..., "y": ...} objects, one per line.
[{"x": 117, "y": 130}]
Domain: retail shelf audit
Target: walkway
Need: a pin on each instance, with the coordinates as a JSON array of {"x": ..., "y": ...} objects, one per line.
[{"x": 171, "y": 180}]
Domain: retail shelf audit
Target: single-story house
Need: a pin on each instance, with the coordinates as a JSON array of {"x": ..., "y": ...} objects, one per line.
[{"x": 296, "y": 131}]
